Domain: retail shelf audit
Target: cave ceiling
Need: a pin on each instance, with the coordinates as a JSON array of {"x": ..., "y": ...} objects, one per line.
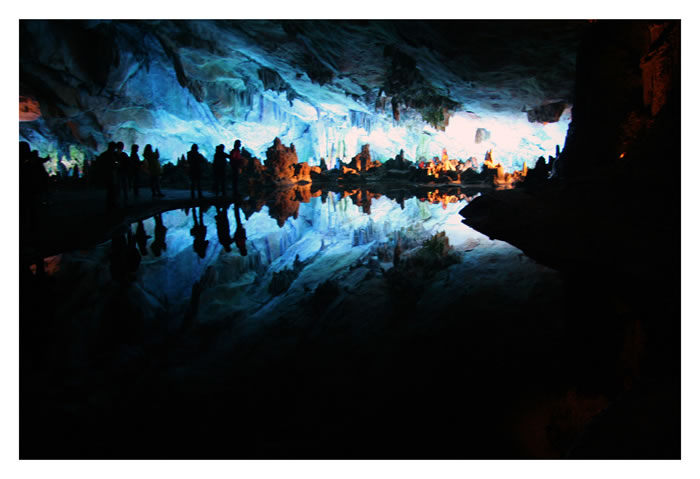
[{"x": 193, "y": 80}]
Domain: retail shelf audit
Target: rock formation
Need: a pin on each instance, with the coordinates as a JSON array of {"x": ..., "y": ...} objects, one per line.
[
  {"x": 362, "y": 160},
  {"x": 281, "y": 161}
]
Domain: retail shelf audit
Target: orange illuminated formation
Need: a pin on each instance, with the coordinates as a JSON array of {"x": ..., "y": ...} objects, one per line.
[
  {"x": 439, "y": 166},
  {"x": 436, "y": 166},
  {"x": 502, "y": 179}
]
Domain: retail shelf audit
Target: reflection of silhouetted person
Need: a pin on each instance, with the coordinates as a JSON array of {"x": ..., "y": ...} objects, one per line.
[
  {"x": 239, "y": 236},
  {"x": 123, "y": 169},
  {"x": 159, "y": 244},
  {"x": 199, "y": 232},
  {"x": 154, "y": 171},
  {"x": 401, "y": 198},
  {"x": 236, "y": 162},
  {"x": 124, "y": 256},
  {"x": 220, "y": 171},
  {"x": 142, "y": 238},
  {"x": 196, "y": 164},
  {"x": 106, "y": 172},
  {"x": 223, "y": 228},
  {"x": 134, "y": 168}
]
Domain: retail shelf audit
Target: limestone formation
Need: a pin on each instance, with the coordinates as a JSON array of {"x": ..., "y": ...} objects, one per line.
[{"x": 281, "y": 162}]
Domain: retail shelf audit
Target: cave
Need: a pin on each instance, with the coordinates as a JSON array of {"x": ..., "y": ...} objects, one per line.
[{"x": 349, "y": 239}]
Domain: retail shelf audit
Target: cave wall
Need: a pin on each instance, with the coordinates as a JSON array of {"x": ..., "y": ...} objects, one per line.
[
  {"x": 627, "y": 72},
  {"x": 622, "y": 147}
]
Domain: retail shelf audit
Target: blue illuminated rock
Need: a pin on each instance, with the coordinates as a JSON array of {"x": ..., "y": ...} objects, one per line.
[{"x": 326, "y": 87}]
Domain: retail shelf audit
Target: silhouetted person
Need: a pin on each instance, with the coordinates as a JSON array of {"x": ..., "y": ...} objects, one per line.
[
  {"x": 142, "y": 238},
  {"x": 223, "y": 228},
  {"x": 159, "y": 244},
  {"x": 25, "y": 153},
  {"x": 29, "y": 189},
  {"x": 401, "y": 161},
  {"x": 195, "y": 161},
  {"x": 324, "y": 167},
  {"x": 199, "y": 233},
  {"x": 134, "y": 168},
  {"x": 236, "y": 163},
  {"x": 40, "y": 177},
  {"x": 154, "y": 170},
  {"x": 239, "y": 237},
  {"x": 538, "y": 174},
  {"x": 123, "y": 170},
  {"x": 220, "y": 171},
  {"x": 106, "y": 169}
]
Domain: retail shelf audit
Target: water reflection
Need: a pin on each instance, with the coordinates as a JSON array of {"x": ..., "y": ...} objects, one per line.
[
  {"x": 239, "y": 236},
  {"x": 396, "y": 219},
  {"x": 284, "y": 203},
  {"x": 199, "y": 233},
  {"x": 223, "y": 229},
  {"x": 159, "y": 243},
  {"x": 124, "y": 257},
  {"x": 142, "y": 238}
]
